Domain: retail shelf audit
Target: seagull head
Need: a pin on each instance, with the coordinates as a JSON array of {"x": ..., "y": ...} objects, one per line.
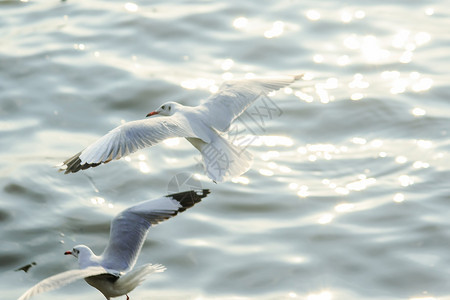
[
  {"x": 167, "y": 109},
  {"x": 79, "y": 251},
  {"x": 86, "y": 258}
]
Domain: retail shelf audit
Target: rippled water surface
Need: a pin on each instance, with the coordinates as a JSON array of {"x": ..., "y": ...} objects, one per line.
[{"x": 348, "y": 194}]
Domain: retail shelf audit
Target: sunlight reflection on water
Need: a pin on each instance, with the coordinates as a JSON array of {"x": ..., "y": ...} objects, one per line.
[
  {"x": 276, "y": 30},
  {"x": 131, "y": 7},
  {"x": 324, "y": 295},
  {"x": 313, "y": 15},
  {"x": 241, "y": 180}
]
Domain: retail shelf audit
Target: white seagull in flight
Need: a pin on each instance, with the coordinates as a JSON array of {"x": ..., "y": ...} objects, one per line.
[
  {"x": 112, "y": 272},
  {"x": 202, "y": 125}
]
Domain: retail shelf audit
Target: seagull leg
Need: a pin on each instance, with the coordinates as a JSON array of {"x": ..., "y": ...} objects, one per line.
[{"x": 128, "y": 298}]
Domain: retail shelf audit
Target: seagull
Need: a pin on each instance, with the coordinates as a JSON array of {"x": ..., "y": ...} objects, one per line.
[
  {"x": 112, "y": 272},
  {"x": 203, "y": 126}
]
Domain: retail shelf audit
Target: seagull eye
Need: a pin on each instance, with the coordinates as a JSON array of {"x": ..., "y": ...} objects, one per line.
[
  {"x": 163, "y": 107},
  {"x": 170, "y": 107}
]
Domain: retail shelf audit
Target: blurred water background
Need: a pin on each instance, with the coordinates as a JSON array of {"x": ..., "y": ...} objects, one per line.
[{"x": 348, "y": 194}]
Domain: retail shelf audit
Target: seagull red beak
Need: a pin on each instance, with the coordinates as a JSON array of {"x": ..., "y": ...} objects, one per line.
[
  {"x": 67, "y": 253},
  {"x": 152, "y": 113}
]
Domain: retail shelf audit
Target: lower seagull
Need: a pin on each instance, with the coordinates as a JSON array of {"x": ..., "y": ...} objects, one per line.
[{"x": 112, "y": 272}]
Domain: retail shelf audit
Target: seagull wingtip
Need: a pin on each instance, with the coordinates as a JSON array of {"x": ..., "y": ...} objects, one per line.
[
  {"x": 61, "y": 167},
  {"x": 203, "y": 193},
  {"x": 159, "y": 268},
  {"x": 298, "y": 76}
]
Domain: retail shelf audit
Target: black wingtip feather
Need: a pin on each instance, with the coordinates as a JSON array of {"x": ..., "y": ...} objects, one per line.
[
  {"x": 189, "y": 198},
  {"x": 74, "y": 165}
]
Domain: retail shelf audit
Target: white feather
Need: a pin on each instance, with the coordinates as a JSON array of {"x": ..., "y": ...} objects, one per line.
[
  {"x": 61, "y": 279},
  {"x": 235, "y": 96}
]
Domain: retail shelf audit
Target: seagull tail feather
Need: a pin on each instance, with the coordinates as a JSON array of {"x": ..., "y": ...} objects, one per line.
[
  {"x": 132, "y": 279},
  {"x": 223, "y": 160}
]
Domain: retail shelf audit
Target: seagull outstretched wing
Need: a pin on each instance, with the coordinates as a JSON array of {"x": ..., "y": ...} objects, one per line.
[
  {"x": 126, "y": 139},
  {"x": 130, "y": 227},
  {"x": 61, "y": 279},
  {"x": 235, "y": 96}
]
